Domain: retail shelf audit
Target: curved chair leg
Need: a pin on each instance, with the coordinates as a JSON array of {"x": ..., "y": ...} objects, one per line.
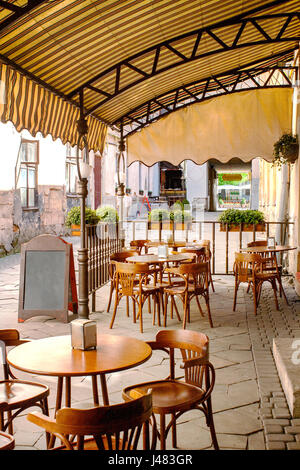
[
  {"x": 208, "y": 311},
  {"x": 110, "y": 295},
  {"x": 235, "y": 294},
  {"x": 212, "y": 425}
]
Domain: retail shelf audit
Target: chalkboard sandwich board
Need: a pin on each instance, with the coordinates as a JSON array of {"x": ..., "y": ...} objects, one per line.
[{"x": 45, "y": 275}]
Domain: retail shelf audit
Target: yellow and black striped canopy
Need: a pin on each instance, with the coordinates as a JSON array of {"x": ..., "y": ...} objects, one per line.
[{"x": 118, "y": 55}]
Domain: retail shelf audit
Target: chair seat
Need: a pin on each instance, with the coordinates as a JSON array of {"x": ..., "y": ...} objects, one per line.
[
  {"x": 265, "y": 275},
  {"x": 16, "y": 393},
  {"x": 177, "y": 290},
  {"x": 168, "y": 395}
]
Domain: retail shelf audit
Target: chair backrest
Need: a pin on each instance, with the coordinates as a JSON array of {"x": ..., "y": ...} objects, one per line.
[
  {"x": 192, "y": 345},
  {"x": 113, "y": 427},
  {"x": 139, "y": 244},
  {"x": 195, "y": 273},
  {"x": 8, "y": 337},
  {"x": 120, "y": 256},
  {"x": 200, "y": 253},
  {"x": 245, "y": 264},
  {"x": 257, "y": 243},
  {"x": 128, "y": 273}
]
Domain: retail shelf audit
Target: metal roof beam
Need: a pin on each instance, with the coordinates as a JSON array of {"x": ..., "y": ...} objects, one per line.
[
  {"x": 179, "y": 59},
  {"x": 17, "y": 12}
]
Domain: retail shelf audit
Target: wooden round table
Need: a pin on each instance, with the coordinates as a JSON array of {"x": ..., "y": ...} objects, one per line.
[
  {"x": 155, "y": 259},
  {"x": 173, "y": 245},
  {"x": 55, "y": 356},
  {"x": 7, "y": 442},
  {"x": 265, "y": 249}
]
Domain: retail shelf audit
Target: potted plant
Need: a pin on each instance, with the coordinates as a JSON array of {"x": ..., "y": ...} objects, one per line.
[
  {"x": 248, "y": 220},
  {"x": 107, "y": 214},
  {"x": 73, "y": 219},
  {"x": 128, "y": 190},
  {"x": 160, "y": 218},
  {"x": 286, "y": 150},
  {"x": 182, "y": 219},
  {"x": 243, "y": 202},
  {"x": 141, "y": 192}
]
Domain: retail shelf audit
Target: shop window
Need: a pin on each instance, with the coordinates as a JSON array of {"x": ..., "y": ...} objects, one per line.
[{"x": 26, "y": 172}]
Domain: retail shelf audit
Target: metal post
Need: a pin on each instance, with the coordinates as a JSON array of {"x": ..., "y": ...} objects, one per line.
[
  {"x": 83, "y": 298},
  {"x": 83, "y": 288}
]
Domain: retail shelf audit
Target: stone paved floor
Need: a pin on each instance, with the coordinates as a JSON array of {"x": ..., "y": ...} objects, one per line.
[{"x": 250, "y": 409}]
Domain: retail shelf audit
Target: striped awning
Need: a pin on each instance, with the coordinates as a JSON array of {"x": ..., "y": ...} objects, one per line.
[
  {"x": 29, "y": 105},
  {"x": 114, "y": 56}
]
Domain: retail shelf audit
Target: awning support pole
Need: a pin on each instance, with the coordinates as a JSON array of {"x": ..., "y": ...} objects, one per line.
[{"x": 83, "y": 288}]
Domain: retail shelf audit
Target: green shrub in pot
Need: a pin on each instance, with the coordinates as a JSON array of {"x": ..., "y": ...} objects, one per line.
[
  {"x": 107, "y": 214},
  {"x": 74, "y": 216}
]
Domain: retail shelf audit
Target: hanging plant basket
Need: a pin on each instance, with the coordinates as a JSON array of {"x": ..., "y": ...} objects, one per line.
[
  {"x": 292, "y": 152},
  {"x": 286, "y": 150}
]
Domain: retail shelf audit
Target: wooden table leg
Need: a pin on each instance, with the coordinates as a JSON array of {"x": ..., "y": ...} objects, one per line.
[
  {"x": 104, "y": 389},
  {"x": 59, "y": 393},
  {"x": 68, "y": 392},
  {"x": 95, "y": 390}
]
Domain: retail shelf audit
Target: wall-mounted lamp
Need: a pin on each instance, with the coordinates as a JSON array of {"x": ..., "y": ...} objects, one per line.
[{"x": 121, "y": 173}]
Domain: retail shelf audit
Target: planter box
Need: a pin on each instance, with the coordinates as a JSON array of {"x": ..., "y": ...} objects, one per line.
[
  {"x": 169, "y": 225},
  {"x": 160, "y": 225},
  {"x": 75, "y": 230},
  {"x": 245, "y": 228}
]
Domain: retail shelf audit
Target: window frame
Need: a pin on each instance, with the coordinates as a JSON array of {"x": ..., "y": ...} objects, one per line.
[{"x": 23, "y": 164}]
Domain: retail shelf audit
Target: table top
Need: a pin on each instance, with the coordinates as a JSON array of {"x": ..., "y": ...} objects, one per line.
[
  {"x": 7, "y": 441},
  {"x": 265, "y": 249},
  {"x": 55, "y": 356},
  {"x": 152, "y": 259}
]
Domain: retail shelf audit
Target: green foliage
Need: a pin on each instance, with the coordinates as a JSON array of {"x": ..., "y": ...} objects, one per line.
[
  {"x": 243, "y": 201},
  {"x": 236, "y": 217},
  {"x": 74, "y": 216},
  {"x": 107, "y": 214},
  {"x": 182, "y": 216},
  {"x": 283, "y": 148},
  {"x": 160, "y": 215}
]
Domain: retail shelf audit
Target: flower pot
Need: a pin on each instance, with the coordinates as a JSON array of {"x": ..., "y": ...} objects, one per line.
[
  {"x": 75, "y": 230},
  {"x": 183, "y": 225},
  {"x": 291, "y": 154},
  {"x": 245, "y": 228},
  {"x": 164, "y": 225}
]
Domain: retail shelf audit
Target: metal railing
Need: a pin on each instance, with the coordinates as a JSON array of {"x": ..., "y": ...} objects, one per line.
[
  {"x": 106, "y": 239},
  {"x": 223, "y": 243},
  {"x": 102, "y": 240}
]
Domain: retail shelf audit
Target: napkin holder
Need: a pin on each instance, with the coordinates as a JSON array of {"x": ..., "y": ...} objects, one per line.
[
  {"x": 162, "y": 251},
  {"x": 83, "y": 334}
]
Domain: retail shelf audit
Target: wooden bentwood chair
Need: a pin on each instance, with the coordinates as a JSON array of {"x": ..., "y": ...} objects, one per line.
[
  {"x": 174, "y": 396},
  {"x": 139, "y": 246},
  {"x": 194, "y": 283},
  {"x": 254, "y": 270},
  {"x": 132, "y": 280},
  {"x": 17, "y": 395},
  {"x": 120, "y": 257},
  {"x": 113, "y": 427}
]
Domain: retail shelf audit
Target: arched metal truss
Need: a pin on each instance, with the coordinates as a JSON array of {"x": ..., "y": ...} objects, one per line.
[
  {"x": 266, "y": 29},
  {"x": 275, "y": 74}
]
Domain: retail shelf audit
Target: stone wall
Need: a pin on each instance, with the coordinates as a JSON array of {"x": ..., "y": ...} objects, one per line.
[
  {"x": 18, "y": 225},
  {"x": 7, "y": 233}
]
